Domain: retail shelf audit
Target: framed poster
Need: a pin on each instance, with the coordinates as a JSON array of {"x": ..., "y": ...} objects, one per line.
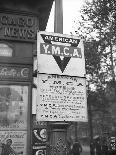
[
  {"x": 13, "y": 107},
  {"x": 14, "y": 142}
]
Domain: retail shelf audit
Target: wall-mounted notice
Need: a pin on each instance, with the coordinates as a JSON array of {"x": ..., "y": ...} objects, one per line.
[
  {"x": 60, "y": 54},
  {"x": 13, "y": 142},
  {"x": 61, "y": 98}
]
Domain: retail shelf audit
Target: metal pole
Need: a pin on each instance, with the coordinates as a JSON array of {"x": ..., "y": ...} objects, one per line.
[
  {"x": 58, "y": 130},
  {"x": 58, "y": 21},
  {"x": 90, "y": 124}
]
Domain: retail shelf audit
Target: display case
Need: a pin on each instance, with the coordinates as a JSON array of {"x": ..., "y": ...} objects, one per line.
[{"x": 15, "y": 103}]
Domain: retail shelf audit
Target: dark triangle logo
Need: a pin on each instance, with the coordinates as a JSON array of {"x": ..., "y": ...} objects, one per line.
[{"x": 62, "y": 63}]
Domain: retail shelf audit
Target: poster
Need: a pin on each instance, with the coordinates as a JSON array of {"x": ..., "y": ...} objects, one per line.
[
  {"x": 61, "y": 98},
  {"x": 17, "y": 140},
  {"x": 60, "y": 54},
  {"x": 39, "y": 141},
  {"x": 39, "y": 136},
  {"x": 13, "y": 107}
]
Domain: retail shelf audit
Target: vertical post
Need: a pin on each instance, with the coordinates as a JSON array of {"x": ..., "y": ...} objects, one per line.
[
  {"x": 90, "y": 124},
  {"x": 58, "y": 21},
  {"x": 58, "y": 130},
  {"x": 91, "y": 130}
]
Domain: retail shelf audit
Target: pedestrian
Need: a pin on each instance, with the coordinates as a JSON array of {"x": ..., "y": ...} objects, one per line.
[
  {"x": 0, "y": 147},
  {"x": 76, "y": 148},
  {"x": 69, "y": 146},
  {"x": 92, "y": 148},
  {"x": 104, "y": 148},
  {"x": 112, "y": 146},
  {"x": 98, "y": 147}
]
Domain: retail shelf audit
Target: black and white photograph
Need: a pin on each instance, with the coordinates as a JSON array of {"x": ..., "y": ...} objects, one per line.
[{"x": 57, "y": 77}]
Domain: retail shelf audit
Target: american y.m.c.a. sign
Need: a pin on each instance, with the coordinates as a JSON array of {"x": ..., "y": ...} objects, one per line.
[{"x": 60, "y": 54}]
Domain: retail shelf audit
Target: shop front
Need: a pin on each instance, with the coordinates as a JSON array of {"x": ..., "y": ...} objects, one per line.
[{"x": 19, "y": 22}]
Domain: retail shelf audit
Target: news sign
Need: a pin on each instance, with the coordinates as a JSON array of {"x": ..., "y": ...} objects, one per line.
[
  {"x": 60, "y": 54},
  {"x": 61, "y": 98}
]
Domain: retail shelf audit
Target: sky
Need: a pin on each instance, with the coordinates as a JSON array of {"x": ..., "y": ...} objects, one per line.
[{"x": 71, "y": 10}]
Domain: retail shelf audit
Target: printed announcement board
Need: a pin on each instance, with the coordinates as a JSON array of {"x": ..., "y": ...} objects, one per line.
[
  {"x": 60, "y": 54},
  {"x": 17, "y": 139},
  {"x": 13, "y": 107},
  {"x": 61, "y": 98}
]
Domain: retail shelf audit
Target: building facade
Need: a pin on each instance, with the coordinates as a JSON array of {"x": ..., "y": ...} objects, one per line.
[{"x": 19, "y": 23}]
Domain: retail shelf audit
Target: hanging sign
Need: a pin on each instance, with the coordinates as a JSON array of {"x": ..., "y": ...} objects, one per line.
[
  {"x": 61, "y": 98},
  {"x": 60, "y": 54}
]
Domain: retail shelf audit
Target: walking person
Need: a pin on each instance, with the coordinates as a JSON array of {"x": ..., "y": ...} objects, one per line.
[
  {"x": 69, "y": 146},
  {"x": 0, "y": 147},
  {"x": 98, "y": 147},
  {"x": 104, "y": 148},
  {"x": 92, "y": 148},
  {"x": 76, "y": 148}
]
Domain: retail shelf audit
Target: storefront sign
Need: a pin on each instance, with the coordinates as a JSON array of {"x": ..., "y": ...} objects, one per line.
[
  {"x": 13, "y": 107},
  {"x": 18, "y": 27},
  {"x": 60, "y": 54},
  {"x": 11, "y": 72},
  {"x": 18, "y": 141},
  {"x": 61, "y": 98}
]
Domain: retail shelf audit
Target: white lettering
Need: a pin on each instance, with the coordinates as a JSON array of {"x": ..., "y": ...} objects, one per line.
[
  {"x": 24, "y": 72},
  {"x": 55, "y": 50},
  {"x": 66, "y": 49},
  {"x": 45, "y": 47},
  {"x": 4, "y": 20},
  {"x": 75, "y": 53}
]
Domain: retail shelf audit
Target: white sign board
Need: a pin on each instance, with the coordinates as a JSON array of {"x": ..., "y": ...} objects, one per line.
[
  {"x": 60, "y": 54},
  {"x": 61, "y": 98}
]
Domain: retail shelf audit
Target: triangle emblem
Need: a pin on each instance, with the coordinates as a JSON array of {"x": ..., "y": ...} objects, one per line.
[{"x": 62, "y": 63}]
